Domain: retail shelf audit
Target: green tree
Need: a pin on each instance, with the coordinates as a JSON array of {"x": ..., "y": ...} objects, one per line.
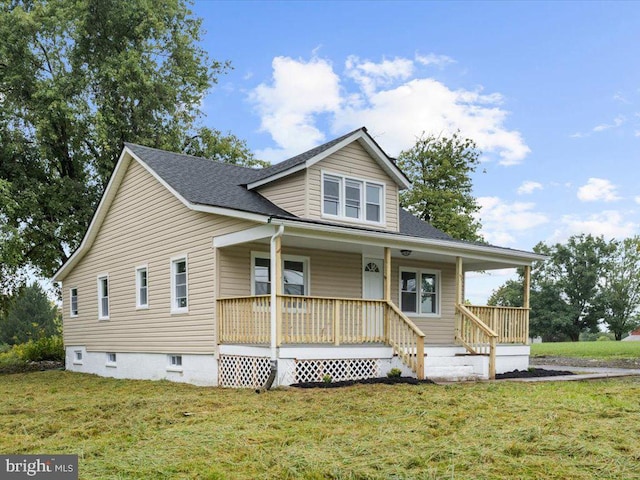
[
  {"x": 440, "y": 169},
  {"x": 620, "y": 295},
  {"x": 511, "y": 294},
  {"x": 77, "y": 79},
  {"x": 567, "y": 286},
  {"x": 30, "y": 316}
]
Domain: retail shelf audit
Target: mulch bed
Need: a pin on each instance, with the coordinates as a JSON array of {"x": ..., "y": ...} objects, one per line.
[
  {"x": 532, "y": 373},
  {"x": 32, "y": 367},
  {"x": 364, "y": 381}
]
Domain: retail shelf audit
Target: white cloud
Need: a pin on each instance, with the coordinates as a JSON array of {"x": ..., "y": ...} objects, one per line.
[
  {"x": 609, "y": 223},
  {"x": 388, "y": 97},
  {"x": 637, "y": 199},
  {"x": 433, "y": 59},
  {"x": 598, "y": 189},
  {"x": 501, "y": 220},
  {"x": 528, "y": 187},
  {"x": 618, "y": 121},
  {"x": 299, "y": 91}
]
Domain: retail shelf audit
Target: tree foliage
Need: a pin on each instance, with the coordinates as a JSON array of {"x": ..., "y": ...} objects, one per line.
[
  {"x": 77, "y": 79},
  {"x": 30, "y": 316},
  {"x": 440, "y": 169},
  {"x": 620, "y": 292}
]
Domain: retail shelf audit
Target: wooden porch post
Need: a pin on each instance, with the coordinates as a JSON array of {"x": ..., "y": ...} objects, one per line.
[
  {"x": 278, "y": 289},
  {"x": 459, "y": 282},
  {"x": 387, "y": 274},
  {"x": 526, "y": 299}
]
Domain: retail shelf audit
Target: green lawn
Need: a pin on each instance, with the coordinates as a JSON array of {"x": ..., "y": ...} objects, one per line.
[
  {"x": 598, "y": 350},
  {"x": 154, "y": 430}
]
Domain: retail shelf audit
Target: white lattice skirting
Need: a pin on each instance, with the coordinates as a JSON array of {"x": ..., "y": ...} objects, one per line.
[
  {"x": 338, "y": 369},
  {"x": 238, "y": 371}
]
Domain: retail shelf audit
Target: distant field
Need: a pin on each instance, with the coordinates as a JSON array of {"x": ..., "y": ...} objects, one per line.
[
  {"x": 158, "y": 430},
  {"x": 599, "y": 350}
]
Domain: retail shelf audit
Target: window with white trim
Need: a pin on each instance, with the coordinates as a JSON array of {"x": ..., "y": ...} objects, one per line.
[
  {"x": 73, "y": 302},
  {"x": 111, "y": 359},
  {"x": 77, "y": 357},
  {"x": 103, "y": 297},
  {"x": 142, "y": 287},
  {"x": 175, "y": 362},
  {"x": 295, "y": 274},
  {"x": 420, "y": 292},
  {"x": 352, "y": 199},
  {"x": 179, "y": 285}
]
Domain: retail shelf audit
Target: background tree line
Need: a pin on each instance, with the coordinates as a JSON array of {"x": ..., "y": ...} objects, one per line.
[{"x": 586, "y": 283}]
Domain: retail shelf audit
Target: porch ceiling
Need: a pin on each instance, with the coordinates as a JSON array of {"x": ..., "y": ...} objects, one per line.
[{"x": 475, "y": 257}]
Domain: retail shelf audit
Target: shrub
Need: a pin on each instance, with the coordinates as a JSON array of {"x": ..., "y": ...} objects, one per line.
[
  {"x": 327, "y": 378},
  {"x": 46, "y": 348},
  {"x": 603, "y": 338},
  {"x": 394, "y": 373}
]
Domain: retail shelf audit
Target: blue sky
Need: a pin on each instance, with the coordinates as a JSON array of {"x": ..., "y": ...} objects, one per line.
[{"x": 550, "y": 91}]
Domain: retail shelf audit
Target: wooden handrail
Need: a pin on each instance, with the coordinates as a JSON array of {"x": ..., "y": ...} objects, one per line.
[
  {"x": 475, "y": 336},
  {"x": 406, "y": 339}
]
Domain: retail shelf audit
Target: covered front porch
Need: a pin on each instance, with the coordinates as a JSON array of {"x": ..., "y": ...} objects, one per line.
[{"x": 339, "y": 320}]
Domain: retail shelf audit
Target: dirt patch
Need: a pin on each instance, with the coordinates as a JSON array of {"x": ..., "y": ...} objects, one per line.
[
  {"x": 586, "y": 362},
  {"x": 532, "y": 373},
  {"x": 365, "y": 381}
]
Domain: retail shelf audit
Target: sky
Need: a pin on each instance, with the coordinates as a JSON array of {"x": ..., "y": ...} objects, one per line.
[{"x": 549, "y": 91}]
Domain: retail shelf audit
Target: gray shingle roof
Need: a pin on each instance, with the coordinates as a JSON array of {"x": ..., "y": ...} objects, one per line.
[
  {"x": 302, "y": 158},
  {"x": 207, "y": 182}
]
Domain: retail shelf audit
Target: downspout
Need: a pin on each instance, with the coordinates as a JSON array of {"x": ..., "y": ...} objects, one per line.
[{"x": 274, "y": 317}]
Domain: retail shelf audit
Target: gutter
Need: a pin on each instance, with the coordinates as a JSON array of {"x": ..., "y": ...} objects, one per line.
[{"x": 274, "y": 318}]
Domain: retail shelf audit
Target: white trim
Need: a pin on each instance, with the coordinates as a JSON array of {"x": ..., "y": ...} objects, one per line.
[
  {"x": 419, "y": 272},
  {"x": 367, "y": 143},
  {"x": 138, "y": 269},
  {"x": 362, "y": 272},
  {"x": 342, "y": 200},
  {"x": 78, "y": 357},
  {"x": 172, "y": 262},
  {"x": 174, "y": 367},
  {"x": 306, "y": 269},
  {"x": 73, "y": 314},
  {"x": 101, "y": 315},
  {"x": 244, "y": 236}
]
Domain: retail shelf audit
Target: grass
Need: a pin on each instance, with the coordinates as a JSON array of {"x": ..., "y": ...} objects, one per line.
[
  {"x": 124, "y": 429},
  {"x": 597, "y": 350}
]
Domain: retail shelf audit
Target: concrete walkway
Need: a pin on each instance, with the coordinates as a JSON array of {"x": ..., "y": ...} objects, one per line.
[{"x": 581, "y": 373}]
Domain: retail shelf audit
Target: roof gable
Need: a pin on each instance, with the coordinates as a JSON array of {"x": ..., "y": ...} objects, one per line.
[{"x": 313, "y": 156}]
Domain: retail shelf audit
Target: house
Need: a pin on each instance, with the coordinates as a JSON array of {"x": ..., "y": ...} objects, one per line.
[
  {"x": 633, "y": 336},
  {"x": 214, "y": 274}
]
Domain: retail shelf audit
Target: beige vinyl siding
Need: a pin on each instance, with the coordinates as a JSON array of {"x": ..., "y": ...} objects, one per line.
[
  {"x": 331, "y": 274},
  {"x": 146, "y": 224},
  {"x": 437, "y": 330},
  {"x": 353, "y": 160},
  {"x": 289, "y": 193}
]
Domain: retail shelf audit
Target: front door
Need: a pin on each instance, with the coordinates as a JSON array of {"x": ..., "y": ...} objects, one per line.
[{"x": 373, "y": 289}]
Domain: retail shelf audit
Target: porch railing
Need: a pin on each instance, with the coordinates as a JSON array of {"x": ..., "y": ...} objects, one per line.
[
  {"x": 475, "y": 336},
  {"x": 510, "y": 323},
  {"x": 322, "y": 320}
]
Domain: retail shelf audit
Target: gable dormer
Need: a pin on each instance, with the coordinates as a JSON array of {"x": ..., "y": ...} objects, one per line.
[{"x": 349, "y": 180}]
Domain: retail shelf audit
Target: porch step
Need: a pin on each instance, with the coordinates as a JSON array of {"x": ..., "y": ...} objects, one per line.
[
  {"x": 452, "y": 373},
  {"x": 456, "y": 366}
]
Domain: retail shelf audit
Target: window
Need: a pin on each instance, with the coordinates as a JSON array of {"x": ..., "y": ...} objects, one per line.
[
  {"x": 175, "y": 361},
  {"x": 294, "y": 275},
  {"x": 73, "y": 302},
  {"x": 419, "y": 292},
  {"x": 142, "y": 285},
  {"x": 111, "y": 359},
  {"x": 179, "y": 286},
  {"x": 352, "y": 199},
  {"x": 77, "y": 358},
  {"x": 103, "y": 297}
]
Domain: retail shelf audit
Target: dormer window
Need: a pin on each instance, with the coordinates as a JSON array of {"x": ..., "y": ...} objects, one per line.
[{"x": 352, "y": 199}]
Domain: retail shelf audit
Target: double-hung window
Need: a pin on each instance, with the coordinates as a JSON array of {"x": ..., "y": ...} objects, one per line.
[
  {"x": 142, "y": 287},
  {"x": 295, "y": 273},
  {"x": 420, "y": 292},
  {"x": 73, "y": 302},
  {"x": 352, "y": 199},
  {"x": 103, "y": 297},
  {"x": 179, "y": 285}
]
